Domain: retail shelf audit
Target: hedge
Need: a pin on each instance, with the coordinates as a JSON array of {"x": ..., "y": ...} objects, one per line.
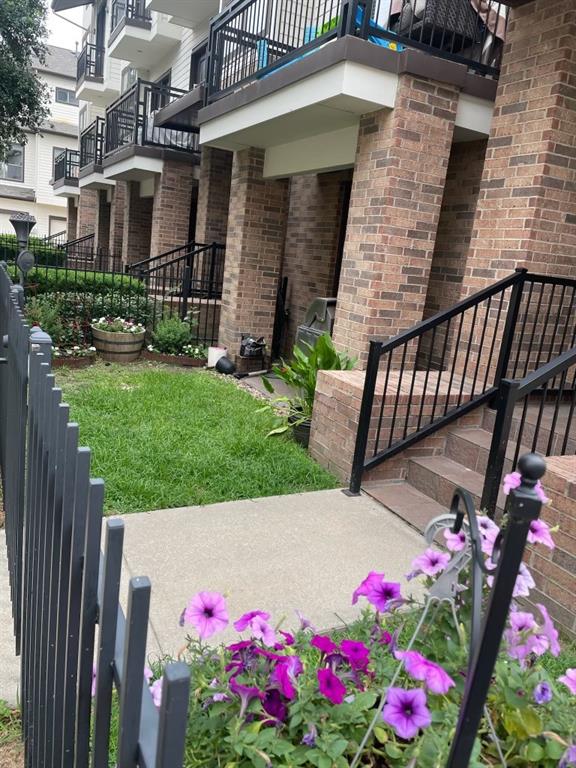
[
  {"x": 45, "y": 280},
  {"x": 44, "y": 253}
]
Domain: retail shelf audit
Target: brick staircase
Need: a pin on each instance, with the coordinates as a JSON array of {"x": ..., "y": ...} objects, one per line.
[{"x": 430, "y": 480}]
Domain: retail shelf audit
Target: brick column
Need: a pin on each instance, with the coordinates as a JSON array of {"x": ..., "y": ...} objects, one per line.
[
  {"x": 171, "y": 211},
  {"x": 72, "y": 221},
  {"x": 256, "y": 231},
  {"x": 311, "y": 249},
  {"x": 87, "y": 212},
  {"x": 102, "y": 223},
  {"x": 117, "y": 213},
  {"x": 213, "y": 195},
  {"x": 526, "y": 213},
  {"x": 137, "y": 225},
  {"x": 397, "y": 189}
]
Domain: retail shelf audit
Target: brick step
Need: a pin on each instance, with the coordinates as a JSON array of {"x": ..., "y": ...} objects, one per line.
[
  {"x": 531, "y": 419},
  {"x": 470, "y": 446},
  {"x": 404, "y": 500},
  {"x": 438, "y": 477}
]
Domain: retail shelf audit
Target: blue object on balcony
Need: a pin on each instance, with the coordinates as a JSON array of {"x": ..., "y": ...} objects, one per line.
[{"x": 262, "y": 53}]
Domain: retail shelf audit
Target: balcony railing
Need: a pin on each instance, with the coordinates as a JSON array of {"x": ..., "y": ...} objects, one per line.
[
  {"x": 130, "y": 120},
  {"x": 90, "y": 62},
  {"x": 66, "y": 166},
  {"x": 92, "y": 143},
  {"x": 132, "y": 11},
  {"x": 252, "y": 38}
]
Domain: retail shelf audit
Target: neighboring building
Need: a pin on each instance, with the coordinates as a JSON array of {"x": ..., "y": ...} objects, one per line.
[{"x": 25, "y": 177}]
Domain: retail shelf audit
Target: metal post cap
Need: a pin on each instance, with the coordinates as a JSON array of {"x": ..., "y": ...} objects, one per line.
[{"x": 532, "y": 467}]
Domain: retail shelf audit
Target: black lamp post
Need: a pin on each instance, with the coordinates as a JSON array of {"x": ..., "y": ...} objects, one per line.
[{"x": 23, "y": 224}]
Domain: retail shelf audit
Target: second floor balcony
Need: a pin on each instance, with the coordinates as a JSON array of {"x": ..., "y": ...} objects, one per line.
[
  {"x": 65, "y": 174},
  {"x": 139, "y": 36},
  {"x": 93, "y": 82},
  {"x": 92, "y": 145}
]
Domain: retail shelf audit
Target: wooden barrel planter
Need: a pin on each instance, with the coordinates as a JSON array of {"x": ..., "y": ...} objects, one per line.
[
  {"x": 180, "y": 360},
  {"x": 118, "y": 347}
]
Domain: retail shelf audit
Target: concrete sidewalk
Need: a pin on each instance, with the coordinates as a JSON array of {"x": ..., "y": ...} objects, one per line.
[{"x": 306, "y": 551}]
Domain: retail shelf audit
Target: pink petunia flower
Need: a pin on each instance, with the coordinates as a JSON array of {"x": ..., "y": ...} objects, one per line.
[
  {"x": 156, "y": 691},
  {"x": 418, "y": 667},
  {"x": 406, "y": 711},
  {"x": 364, "y": 588},
  {"x": 514, "y": 480},
  {"x": 539, "y": 533},
  {"x": 569, "y": 680},
  {"x": 383, "y": 594},
  {"x": 331, "y": 686},
  {"x": 431, "y": 562},
  {"x": 524, "y": 582},
  {"x": 244, "y": 620},
  {"x": 284, "y": 675},
  {"x": 489, "y": 532},
  {"x": 357, "y": 654},
  {"x": 261, "y": 630},
  {"x": 455, "y": 542},
  {"x": 246, "y": 694},
  {"x": 522, "y": 621},
  {"x": 323, "y": 643},
  {"x": 304, "y": 622},
  {"x": 549, "y": 630},
  {"x": 207, "y": 613}
]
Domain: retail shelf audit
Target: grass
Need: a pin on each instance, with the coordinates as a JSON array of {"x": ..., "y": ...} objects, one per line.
[
  {"x": 11, "y": 749},
  {"x": 163, "y": 438}
]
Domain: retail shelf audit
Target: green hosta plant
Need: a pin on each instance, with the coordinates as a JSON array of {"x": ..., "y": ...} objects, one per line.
[{"x": 301, "y": 374}]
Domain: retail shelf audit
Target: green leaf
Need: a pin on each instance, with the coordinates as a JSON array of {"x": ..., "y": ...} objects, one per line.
[
  {"x": 337, "y": 748},
  {"x": 268, "y": 385},
  {"x": 392, "y": 750},
  {"x": 533, "y": 752},
  {"x": 324, "y": 761},
  {"x": 554, "y": 749},
  {"x": 381, "y": 734}
]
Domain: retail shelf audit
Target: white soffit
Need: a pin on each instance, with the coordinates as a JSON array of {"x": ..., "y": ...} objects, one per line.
[{"x": 316, "y": 154}]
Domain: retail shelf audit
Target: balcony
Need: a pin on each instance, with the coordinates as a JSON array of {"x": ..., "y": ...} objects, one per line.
[
  {"x": 138, "y": 36},
  {"x": 134, "y": 146},
  {"x": 251, "y": 39},
  {"x": 187, "y": 13},
  {"x": 91, "y": 83},
  {"x": 66, "y": 168},
  {"x": 92, "y": 156}
]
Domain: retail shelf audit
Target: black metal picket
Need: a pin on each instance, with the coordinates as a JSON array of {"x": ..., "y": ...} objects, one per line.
[{"x": 62, "y": 587}]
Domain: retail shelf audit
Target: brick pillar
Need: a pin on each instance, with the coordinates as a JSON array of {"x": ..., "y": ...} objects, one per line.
[
  {"x": 102, "y": 224},
  {"x": 137, "y": 225},
  {"x": 72, "y": 222},
  {"x": 117, "y": 214},
  {"x": 256, "y": 231},
  {"x": 171, "y": 211},
  {"x": 399, "y": 175},
  {"x": 87, "y": 212},
  {"x": 526, "y": 213},
  {"x": 311, "y": 249},
  {"x": 213, "y": 195}
]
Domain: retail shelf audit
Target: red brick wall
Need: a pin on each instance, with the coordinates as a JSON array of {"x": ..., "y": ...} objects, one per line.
[
  {"x": 117, "y": 214},
  {"x": 399, "y": 176},
  {"x": 137, "y": 225},
  {"x": 213, "y": 195},
  {"x": 72, "y": 222},
  {"x": 311, "y": 243},
  {"x": 256, "y": 232},
  {"x": 171, "y": 209},
  {"x": 554, "y": 570},
  {"x": 87, "y": 212},
  {"x": 102, "y": 224}
]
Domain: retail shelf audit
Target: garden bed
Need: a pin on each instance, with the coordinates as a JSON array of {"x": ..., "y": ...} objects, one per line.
[
  {"x": 168, "y": 438},
  {"x": 182, "y": 361}
]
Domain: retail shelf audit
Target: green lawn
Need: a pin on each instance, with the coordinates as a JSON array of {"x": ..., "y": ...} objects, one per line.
[{"x": 162, "y": 437}]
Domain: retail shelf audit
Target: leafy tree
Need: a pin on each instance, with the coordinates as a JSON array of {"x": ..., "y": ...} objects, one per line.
[{"x": 23, "y": 96}]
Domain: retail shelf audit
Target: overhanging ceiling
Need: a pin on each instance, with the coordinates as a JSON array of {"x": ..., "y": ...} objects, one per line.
[{"x": 64, "y": 5}]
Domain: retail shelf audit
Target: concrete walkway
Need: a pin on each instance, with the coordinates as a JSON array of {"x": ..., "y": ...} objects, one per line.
[{"x": 305, "y": 551}]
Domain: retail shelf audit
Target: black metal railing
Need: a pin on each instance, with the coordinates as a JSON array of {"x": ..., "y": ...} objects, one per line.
[
  {"x": 252, "y": 38},
  {"x": 131, "y": 11},
  {"x": 58, "y": 238},
  {"x": 92, "y": 143},
  {"x": 66, "y": 165},
  {"x": 90, "y": 64},
  {"x": 130, "y": 120},
  {"x": 456, "y": 361},
  {"x": 62, "y": 586}
]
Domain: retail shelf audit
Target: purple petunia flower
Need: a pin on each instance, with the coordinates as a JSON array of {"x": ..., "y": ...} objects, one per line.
[
  {"x": 207, "y": 613},
  {"x": 323, "y": 643},
  {"x": 245, "y": 620},
  {"x": 524, "y": 582},
  {"x": 309, "y": 738},
  {"x": 284, "y": 675},
  {"x": 406, "y": 711},
  {"x": 568, "y": 758},
  {"x": 539, "y": 533},
  {"x": 156, "y": 691},
  {"x": 246, "y": 694},
  {"x": 431, "y": 562},
  {"x": 288, "y": 638},
  {"x": 365, "y": 586},
  {"x": 522, "y": 621},
  {"x": 514, "y": 480},
  {"x": 549, "y": 630},
  {"x": 489, "y": 532},
  {"x": 304, "y": 622},
  {"x": 455, "y": 542},
  {"x": 261, "y": 630},
  {"x": 94, "y": 675},
  {"x": 418, "y": 667},
  {"x": 274, "y": 705},
  {"x": 383, "y": 594},
  {"x": 357, "y": 653},
  {"x": 542, "y": 693},
  {"x": 569, "y": 680},
  {"x": 331, "y": 686}
]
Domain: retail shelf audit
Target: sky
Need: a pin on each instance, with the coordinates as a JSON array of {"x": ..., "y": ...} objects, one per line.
[{"x": 61, "y": 32}]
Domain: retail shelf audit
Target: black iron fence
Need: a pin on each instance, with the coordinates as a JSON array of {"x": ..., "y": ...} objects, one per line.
[
  {"x": 90, "y": 62},
  {"x": 457, "y": 360},
  {"x": 66, "y": 166},
  {"x": 130, "y": 120},
  {"x": 131, "y": 11},
  {"x": 92, "y": 143},
  {"x": 62, "y": 587},
  {"x": 252, "y": 38}
]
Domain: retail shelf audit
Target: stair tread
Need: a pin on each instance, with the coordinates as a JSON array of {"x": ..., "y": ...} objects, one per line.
[
  {"x": 475, "y": 435},
  {"x": 404, "y": 500}
]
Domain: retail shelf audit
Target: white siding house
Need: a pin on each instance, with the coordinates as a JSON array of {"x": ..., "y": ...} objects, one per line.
[{"x": 25, "y": 178}]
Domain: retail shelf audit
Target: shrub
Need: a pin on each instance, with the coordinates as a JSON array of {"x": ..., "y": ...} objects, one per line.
[
  {"x": 44, "y": 253},
  {"x": 46, "y": 315},
  {"x": 79, "y": 281},
  {"x": 171, "y": 336}
]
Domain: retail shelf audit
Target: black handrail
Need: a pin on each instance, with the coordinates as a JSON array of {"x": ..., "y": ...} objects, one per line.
[
  {"x": 457, "y": 360},
  {"x": 249, "y": 39},
  {"x": 90, "y": 62},
  {"x": 130, "y": 10},
  {"x": 92, "y": 143},
  {"x": 163, "y": 258},
  {"x": 66, "y": 165}
]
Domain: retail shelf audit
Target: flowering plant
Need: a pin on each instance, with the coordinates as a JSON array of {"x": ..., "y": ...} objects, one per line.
[
  {"x": 117, "y": 325},
  {"x": 377, "y": 692},
  {"x": 75, "y": 351}
]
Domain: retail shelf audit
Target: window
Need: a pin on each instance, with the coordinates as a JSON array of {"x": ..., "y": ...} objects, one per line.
[
  {"x": 56, "y": 224},
  {"x": 83, "y": 118},
  {"x": 198, "y": 66},
  {"x": 128, "y": 78},
  {"x": 64, "y": 96},
  {"x": 13, "y": 167}
]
